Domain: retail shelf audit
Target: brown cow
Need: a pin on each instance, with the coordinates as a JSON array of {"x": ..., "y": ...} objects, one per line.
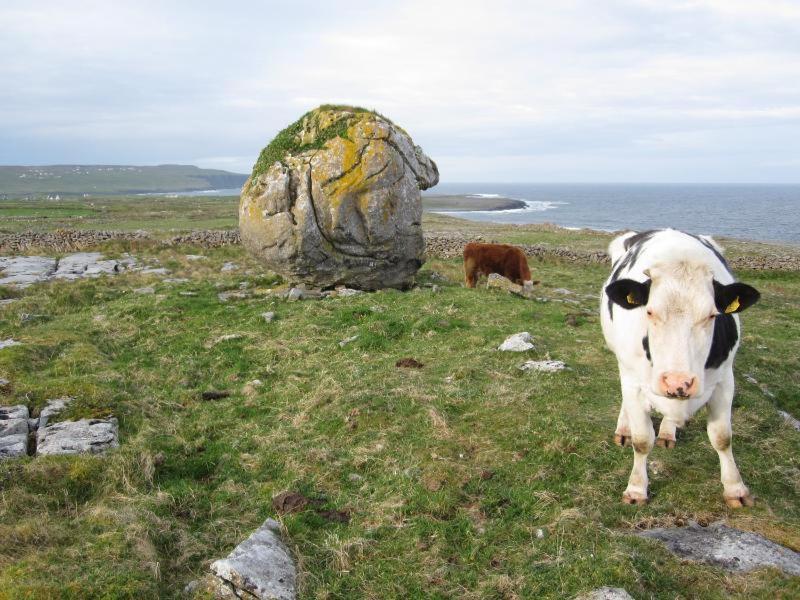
[{"x": 505, "y": 260}]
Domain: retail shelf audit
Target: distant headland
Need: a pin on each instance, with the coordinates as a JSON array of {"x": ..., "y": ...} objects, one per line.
[{"x": 75, "y": 180}]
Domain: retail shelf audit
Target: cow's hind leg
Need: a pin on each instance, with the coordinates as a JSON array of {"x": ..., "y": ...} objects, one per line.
[
  {"x": 666, "y": 433},
  {"x": 720, "y": 434},
  {"x": 622, "y": 435},
  {"x": 642, "y": 437},
  {"x": 470, "y": 275}
]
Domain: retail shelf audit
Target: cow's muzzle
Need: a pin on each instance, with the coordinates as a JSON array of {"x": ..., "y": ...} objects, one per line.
[{"x": 678, "y": 385}]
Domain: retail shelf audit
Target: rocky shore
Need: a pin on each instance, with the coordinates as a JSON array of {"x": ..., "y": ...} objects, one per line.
[{"x": 438, "y": 244}]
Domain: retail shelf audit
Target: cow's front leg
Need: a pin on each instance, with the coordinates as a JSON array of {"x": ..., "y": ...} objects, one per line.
[
  {"x": 720, "y": 434},
  {"x": 642, "y": 436},
  {"x": 622, "y": 435},
  {"x": 666, "y": 433}
]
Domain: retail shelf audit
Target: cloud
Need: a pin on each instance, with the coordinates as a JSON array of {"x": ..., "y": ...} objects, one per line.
[{"x": 513, "y": 90}]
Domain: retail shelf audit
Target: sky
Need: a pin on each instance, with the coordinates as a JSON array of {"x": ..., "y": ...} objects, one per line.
[{"x": 497, "y": 91}]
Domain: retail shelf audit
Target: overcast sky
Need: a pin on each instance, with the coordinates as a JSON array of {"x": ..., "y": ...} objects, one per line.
[{"x": 577, "y": 91}]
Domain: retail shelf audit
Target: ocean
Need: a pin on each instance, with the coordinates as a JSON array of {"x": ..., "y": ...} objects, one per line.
[{"x": 752, "y": 212}]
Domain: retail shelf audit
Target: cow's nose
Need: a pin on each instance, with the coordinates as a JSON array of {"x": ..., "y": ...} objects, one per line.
[{"x": 678, "y": 385}]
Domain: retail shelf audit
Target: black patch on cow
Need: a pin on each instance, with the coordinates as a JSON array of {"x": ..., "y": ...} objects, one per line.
[
  {"x": 716, "y": 252},
  {"x": 646, "y": 346},
  {"x": 633, "y": 247},
  {"x": 742, "y": 293},
  {"x": 726, "y": 335},
  {"x": 628, "y": 293}
]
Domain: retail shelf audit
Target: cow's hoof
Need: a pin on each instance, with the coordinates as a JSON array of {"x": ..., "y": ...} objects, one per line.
[
  {"x": 739, "y": 500},
  {"x": 665, "y": 443},
  {"x": 634, "y": 498},
  {"x": 623, "y": 441}
]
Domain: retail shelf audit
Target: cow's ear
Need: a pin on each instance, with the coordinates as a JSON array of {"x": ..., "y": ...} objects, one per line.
[
  {"x": 734, "y": 297},
  {"x": 629, "y": 293}
]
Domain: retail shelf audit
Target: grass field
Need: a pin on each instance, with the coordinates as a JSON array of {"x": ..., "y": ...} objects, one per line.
[{"x": 466, "y": 478}]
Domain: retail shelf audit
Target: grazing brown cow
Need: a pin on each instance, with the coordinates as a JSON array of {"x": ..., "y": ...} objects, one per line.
[{"x": 505, "y": 260}]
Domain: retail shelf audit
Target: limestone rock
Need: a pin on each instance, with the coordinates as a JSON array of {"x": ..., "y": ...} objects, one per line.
[
  {"x": 84, "y": 264},
  {"x": 543, "y": 366},
  {"x": 605, "y": 593},
  {"x": 13, "y": 431},
  {"x": 260, "y": 567},
  {"x": 725, "y": 547},
  {"x": 52, "y": 407},
  {"x": 497, "y": 281},
  {"x": 790, "y": 420},
  {"x": 22, "y": 271},
  {"x": 335, "y": 199},
  {"x": 87, "y": 436},
  {"x": 8, "y": 343},
  {"x": 519, "y": 342}
]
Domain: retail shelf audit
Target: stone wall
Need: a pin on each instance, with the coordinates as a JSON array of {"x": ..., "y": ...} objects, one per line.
[{"x": 438, "y": 245}]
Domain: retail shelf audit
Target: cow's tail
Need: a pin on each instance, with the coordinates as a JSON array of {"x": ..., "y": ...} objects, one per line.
[{"x": 616, "y": 248}]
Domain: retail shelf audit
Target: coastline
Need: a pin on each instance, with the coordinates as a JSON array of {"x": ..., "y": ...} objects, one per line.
[{"x": 468, "y": 202}]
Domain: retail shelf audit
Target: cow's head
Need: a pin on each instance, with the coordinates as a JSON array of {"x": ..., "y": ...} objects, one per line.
[{"x": 682, "y": 303}]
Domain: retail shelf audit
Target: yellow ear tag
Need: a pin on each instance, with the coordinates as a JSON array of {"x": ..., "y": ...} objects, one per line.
[
  {"x": 631, "y": 299},
  {"x": 733, "y": 306}
]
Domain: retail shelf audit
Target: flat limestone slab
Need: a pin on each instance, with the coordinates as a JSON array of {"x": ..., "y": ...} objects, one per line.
[
  {"x": 87, "y": 436},
  {"x": 260, "y": 567},
  {"x": 22, "y": 271},
  {"x": 13, "y": 431},
  {"x": 605, "y": 593},
  {"x": 725, "y": 547}
]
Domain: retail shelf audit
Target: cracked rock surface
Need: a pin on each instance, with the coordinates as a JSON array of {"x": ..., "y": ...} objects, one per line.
[
  {"x": 13, "y": 431},
  {"x": 726, "y": 547},
  {"x": 340, "y": 209},
  {"x": 86, "y": 436},
  {"x": 21, "y": 435},
  {"x": 22, "y": 271},
  {"x": 260, "y": 567}
]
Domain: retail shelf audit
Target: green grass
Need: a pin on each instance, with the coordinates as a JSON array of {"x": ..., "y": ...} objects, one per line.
[
  {"x": 458, "y": 464},
  {"x": 157, "y": 214}
]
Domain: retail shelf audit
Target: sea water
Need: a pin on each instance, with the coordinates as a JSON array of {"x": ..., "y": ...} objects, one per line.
[{"x": 754, "y": 212}]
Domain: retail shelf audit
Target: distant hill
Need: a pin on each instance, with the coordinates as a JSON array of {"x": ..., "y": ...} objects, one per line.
[{"x": 112, "y": 179}]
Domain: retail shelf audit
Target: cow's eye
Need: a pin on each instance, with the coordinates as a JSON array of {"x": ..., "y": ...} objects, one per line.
[
  {"x": 711, "y": 317},
  {"x": 649, "y": 312}
]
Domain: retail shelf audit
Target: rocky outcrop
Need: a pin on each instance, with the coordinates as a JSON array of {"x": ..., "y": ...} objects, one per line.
[
  {"x": 726, "y": 547},
  {"x": 21, "y": 435},
  {"x": 86, "y": 436},
  {"x": 22, "y": 271},
  {"x": 13, "y": 431},
  {"x": 261, "y": 567},
  {"x": 335, "y": 199}
]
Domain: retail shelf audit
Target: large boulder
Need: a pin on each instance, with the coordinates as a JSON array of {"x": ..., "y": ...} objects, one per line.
[{"x": 335, "y": 200}]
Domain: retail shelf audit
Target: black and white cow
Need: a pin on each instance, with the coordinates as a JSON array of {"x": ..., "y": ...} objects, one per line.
[{"x": 669, "y": 313}]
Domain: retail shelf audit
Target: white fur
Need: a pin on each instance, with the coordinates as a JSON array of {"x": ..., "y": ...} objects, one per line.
[{"x": 681, "y": 296}]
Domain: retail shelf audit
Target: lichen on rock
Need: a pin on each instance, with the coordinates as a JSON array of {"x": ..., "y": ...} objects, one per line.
[{"x": 334, "y": 199}]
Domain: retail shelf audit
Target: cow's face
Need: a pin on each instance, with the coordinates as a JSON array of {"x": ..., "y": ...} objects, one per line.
[{"x": 681, "y": 305}]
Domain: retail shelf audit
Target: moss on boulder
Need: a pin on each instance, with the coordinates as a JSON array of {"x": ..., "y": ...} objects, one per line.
[{"x": 335, "y": 199}]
